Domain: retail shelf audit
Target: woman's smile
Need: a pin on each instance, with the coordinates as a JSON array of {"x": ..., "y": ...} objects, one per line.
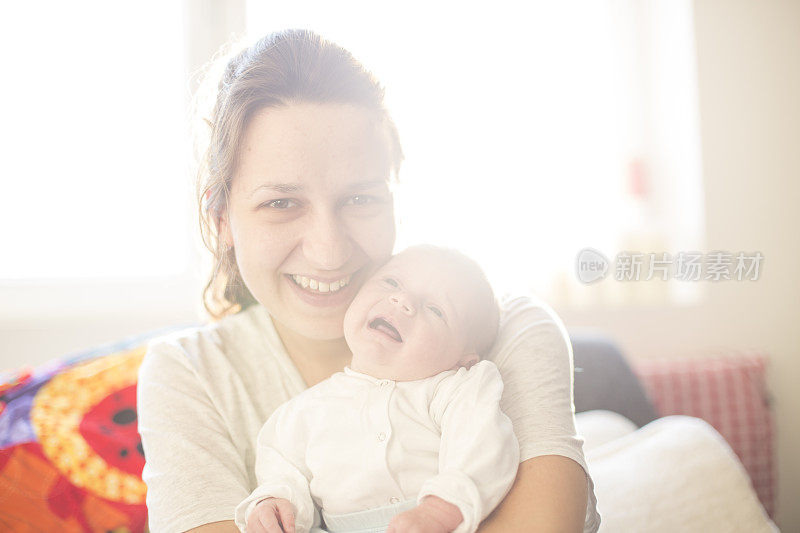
[
  {"x": 318, "y": 285},
  {"x": 322, "y": 291}
]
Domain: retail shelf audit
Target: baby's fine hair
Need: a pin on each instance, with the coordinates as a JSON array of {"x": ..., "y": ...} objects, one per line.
[{"x": 483, "y": 315}]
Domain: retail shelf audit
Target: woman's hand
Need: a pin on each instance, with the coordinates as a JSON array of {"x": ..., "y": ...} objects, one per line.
[
  {"x": 273, "y": 515},
  {"x": 432, "y": 515}
]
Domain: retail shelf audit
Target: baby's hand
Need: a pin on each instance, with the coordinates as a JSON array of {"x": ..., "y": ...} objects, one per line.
[
  {"x": 433, "y": 515},
  {"x": 268, "y": 516}
]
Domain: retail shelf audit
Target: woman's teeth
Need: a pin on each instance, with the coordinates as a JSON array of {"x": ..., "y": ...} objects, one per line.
[{"x": 314, "y": 285}]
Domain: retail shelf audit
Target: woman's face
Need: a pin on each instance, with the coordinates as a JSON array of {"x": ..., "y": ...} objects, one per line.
[{"x": 311, "y": 214}]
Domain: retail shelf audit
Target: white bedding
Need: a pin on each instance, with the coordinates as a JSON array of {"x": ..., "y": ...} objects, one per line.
[{"x": 676, "y": 474}]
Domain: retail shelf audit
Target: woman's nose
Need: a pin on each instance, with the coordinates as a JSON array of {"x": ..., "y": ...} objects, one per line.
[
  {"x": 326, "y": 244},
  {"x": 403, "y": 303}
]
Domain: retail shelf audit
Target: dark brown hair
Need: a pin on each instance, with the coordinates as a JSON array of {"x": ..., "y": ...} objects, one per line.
[{"x": 285, "y": 67}]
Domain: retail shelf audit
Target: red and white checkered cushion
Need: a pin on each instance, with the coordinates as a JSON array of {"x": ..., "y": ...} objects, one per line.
[{"x": 729, "y": 392}]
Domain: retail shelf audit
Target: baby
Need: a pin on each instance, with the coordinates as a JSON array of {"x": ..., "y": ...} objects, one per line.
[{"x": 411, "y": 432}]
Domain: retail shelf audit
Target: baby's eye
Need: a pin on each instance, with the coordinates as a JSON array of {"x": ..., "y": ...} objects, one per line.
[
  {"x": 391, "y": 281},
  {"x": 436, "y": 311}
]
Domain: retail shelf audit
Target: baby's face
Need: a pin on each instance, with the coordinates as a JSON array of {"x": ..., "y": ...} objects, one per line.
[{"x": 406, "y": 322}]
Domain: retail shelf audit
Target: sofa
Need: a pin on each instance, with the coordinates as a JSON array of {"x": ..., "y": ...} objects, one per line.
[
  {"x": 676, "y": 444},
  {"x": 71, "y": 457}
]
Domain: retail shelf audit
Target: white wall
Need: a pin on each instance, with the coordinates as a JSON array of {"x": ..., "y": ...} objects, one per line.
[{"x": 749, "y": 87}]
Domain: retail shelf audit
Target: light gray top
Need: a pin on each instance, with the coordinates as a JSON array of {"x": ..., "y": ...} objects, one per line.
[{"x": 204, "y": 393}]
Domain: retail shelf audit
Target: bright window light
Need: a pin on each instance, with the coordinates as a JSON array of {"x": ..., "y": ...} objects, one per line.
[
  {"x": 94, "y": 180},
  {"x": 522, "y": 127}
]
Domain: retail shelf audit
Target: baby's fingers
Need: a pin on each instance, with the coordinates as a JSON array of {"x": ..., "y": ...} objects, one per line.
[
  {"x": 286, "y": 513},
  {"x": 264, "y": 519},
  {"x": 269, "y": 524}
]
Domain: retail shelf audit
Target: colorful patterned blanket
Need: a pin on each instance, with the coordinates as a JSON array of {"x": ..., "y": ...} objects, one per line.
[{"x": 70, "y": 454}]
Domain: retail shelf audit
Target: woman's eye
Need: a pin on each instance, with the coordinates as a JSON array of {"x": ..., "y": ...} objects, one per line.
[
  {"x": 436, "y": 311},
  {"x": 280, "y": 203},
  {"x": 391, "y": 281},
  {"x": 360, "y": 199}
]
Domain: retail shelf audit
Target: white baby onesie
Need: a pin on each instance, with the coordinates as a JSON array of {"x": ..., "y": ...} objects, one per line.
[{"x": 354, "y": 442}]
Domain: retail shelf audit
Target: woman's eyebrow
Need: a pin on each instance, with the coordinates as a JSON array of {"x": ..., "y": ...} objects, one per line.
[
  {"x": 294, "y": 187},
  {"x": 366, "y": 184},
  {"x": 279, "y": 187}
]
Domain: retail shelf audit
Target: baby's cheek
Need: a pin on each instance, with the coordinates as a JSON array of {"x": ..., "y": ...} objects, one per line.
[{"x": 349, "y": 323}]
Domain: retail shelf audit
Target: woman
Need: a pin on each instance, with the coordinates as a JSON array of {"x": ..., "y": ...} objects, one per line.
[{"x": 296, "y": 205}]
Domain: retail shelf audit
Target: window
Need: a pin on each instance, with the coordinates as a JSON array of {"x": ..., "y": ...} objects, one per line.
[
  {"x": 531, "y": 135},
  {"x": 527, "y": 137},
  {"x": 95, "y": 182}
]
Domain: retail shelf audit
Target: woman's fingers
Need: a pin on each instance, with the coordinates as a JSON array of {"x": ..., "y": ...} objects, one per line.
[{"x": 286, "y": 512}]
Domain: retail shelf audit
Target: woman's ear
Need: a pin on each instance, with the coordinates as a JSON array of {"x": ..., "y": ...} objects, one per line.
[{"x": 224, "y": 230}]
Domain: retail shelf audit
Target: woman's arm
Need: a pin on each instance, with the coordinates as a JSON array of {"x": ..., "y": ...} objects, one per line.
[
  {"x": 225, "y": 526},
  {"x": 551, "y": 491},
  {"x": 549, "y": 494}
]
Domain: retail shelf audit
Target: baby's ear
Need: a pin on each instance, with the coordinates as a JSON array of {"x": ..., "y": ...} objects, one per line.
[{"x": 468, "y": 360}]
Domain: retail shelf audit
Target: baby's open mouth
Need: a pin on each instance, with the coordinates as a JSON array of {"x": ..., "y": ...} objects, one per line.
[{"x": 382, "y": 325}]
